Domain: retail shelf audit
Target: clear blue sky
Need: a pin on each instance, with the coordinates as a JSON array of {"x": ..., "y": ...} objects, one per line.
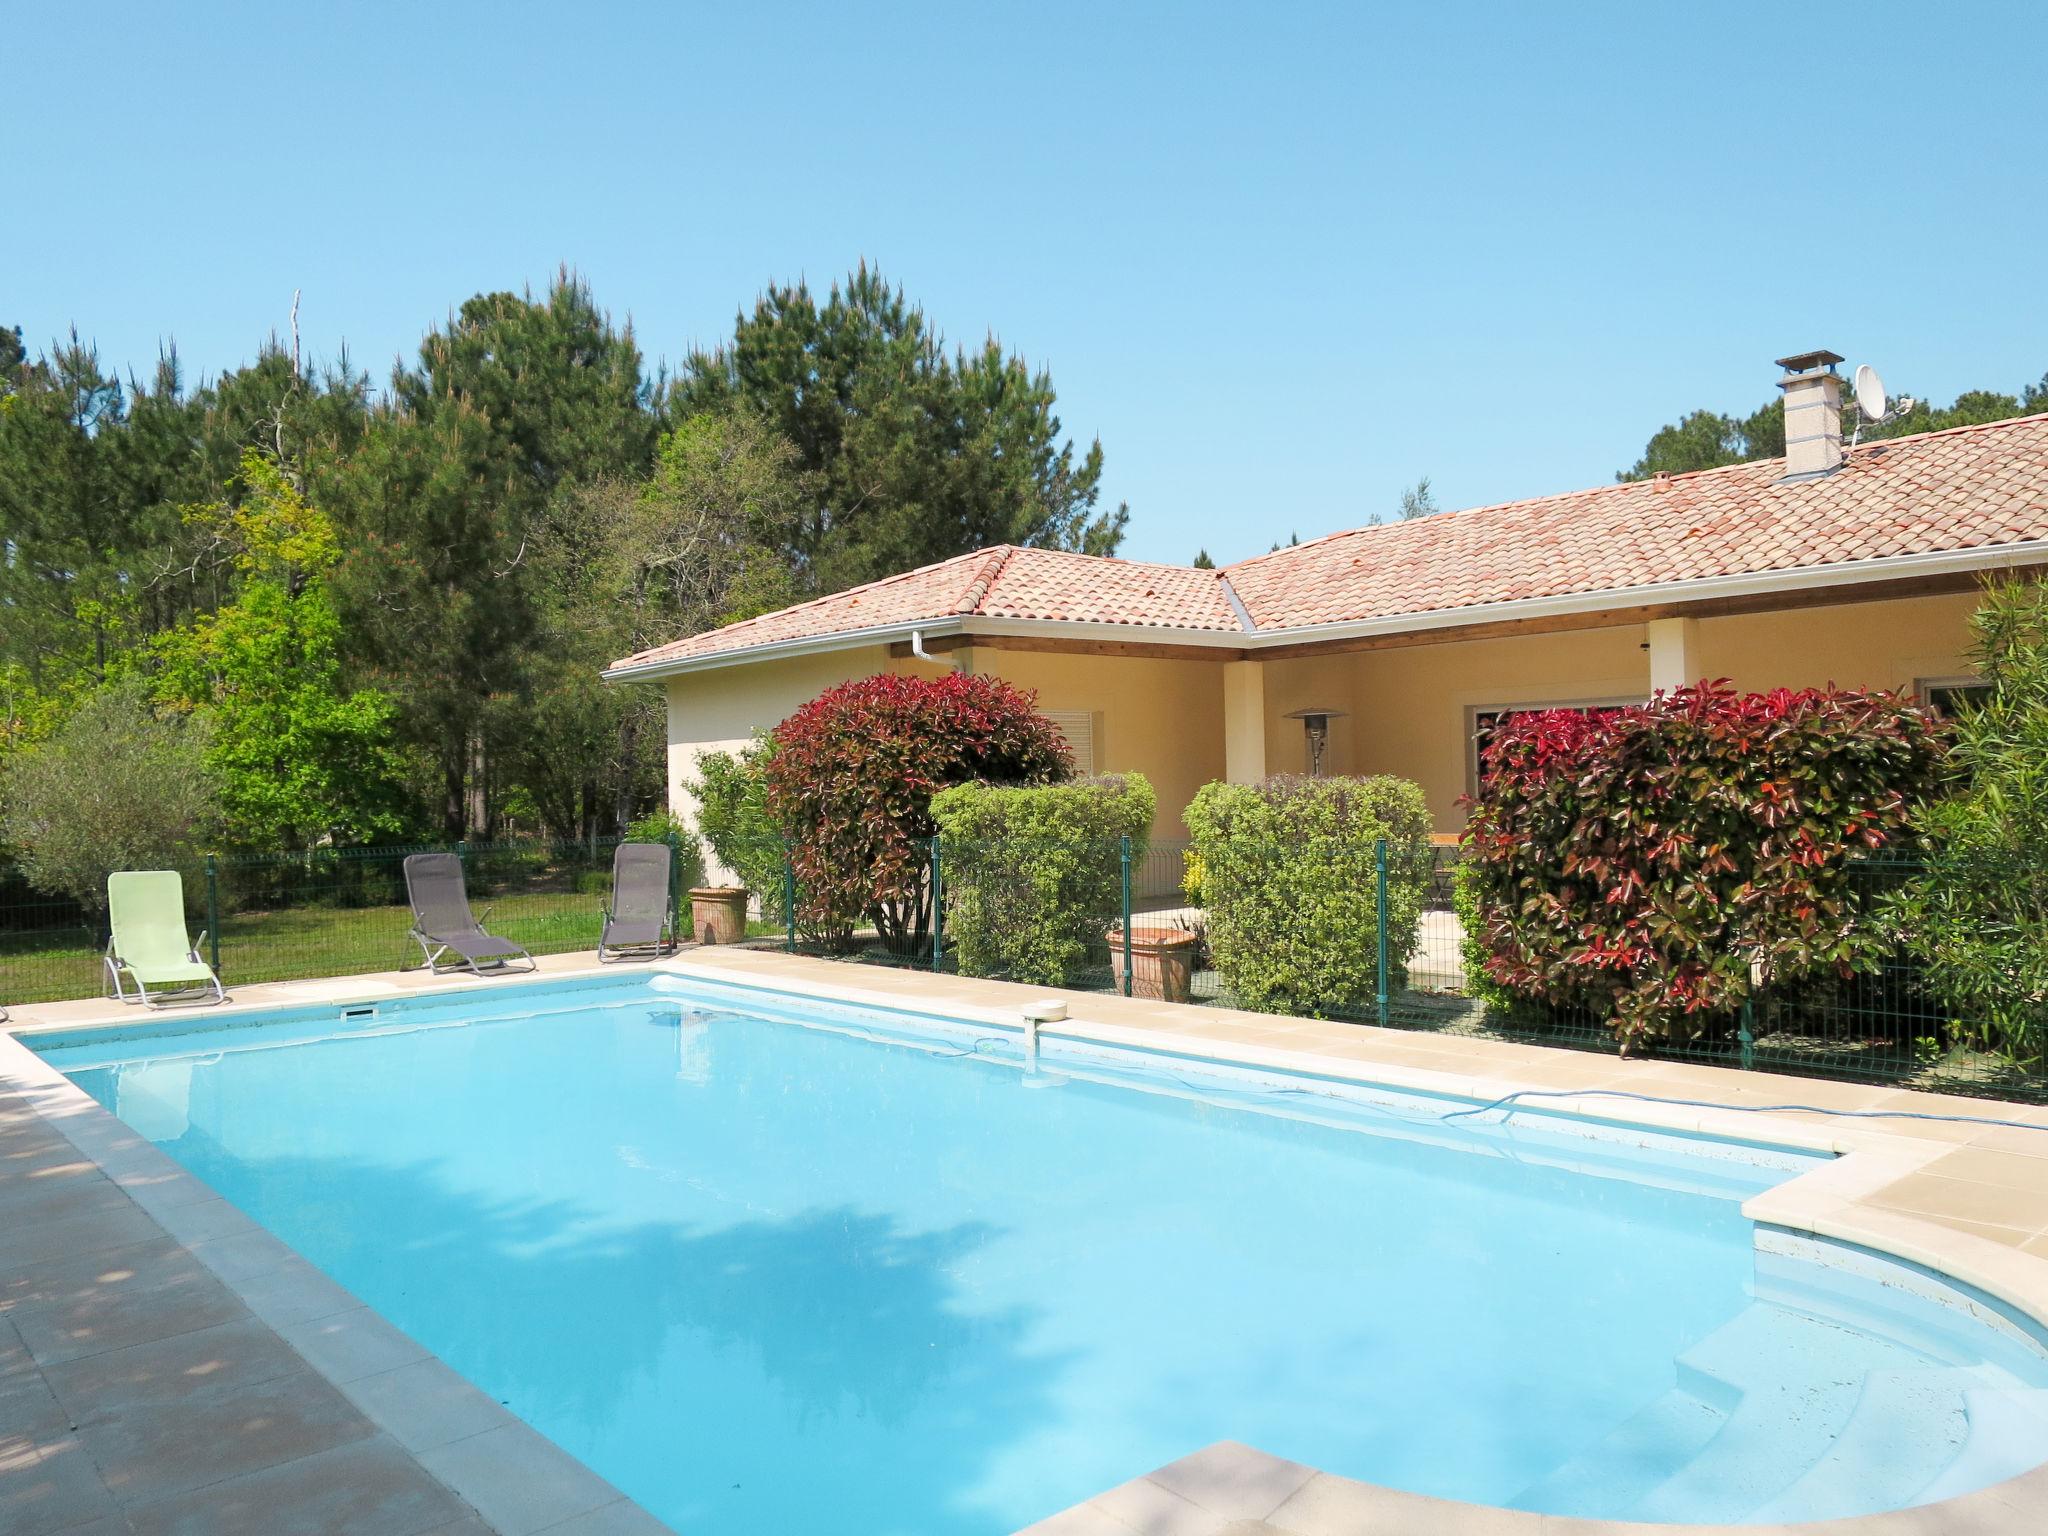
[{"x": 1284, "y": 259}]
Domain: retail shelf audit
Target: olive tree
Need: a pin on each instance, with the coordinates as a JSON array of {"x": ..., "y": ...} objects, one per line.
[{"x": 115, "y": 787}]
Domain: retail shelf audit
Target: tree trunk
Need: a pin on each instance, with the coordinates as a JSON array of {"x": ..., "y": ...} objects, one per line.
[{"x": 454, "y": 784}]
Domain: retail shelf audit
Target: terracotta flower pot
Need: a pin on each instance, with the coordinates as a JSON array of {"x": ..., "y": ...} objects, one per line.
[
  {"x": 1162, "y": 961},
  {"x": 718, "y": 914}
]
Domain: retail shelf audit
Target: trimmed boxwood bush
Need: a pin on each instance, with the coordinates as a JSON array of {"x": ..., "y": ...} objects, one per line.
[
  {"x": 1289, "y": 869},
  {"x": 1034, "y": 875},
  {"x": 1654, "y": 865},
  {"x": 850, "y": 779}
]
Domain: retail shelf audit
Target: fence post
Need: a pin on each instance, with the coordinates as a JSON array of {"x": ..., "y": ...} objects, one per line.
[
  {"x": 1380, "y": 905},
  {"x": 213, "y": 912},
  {"x": 938, "y": 907},
  {"x": 1748, "y": 1034},
  {"x": 1126, "y": 929},
  {"x": 789, "y": 903},
  {"x": 675, "y": 884}
]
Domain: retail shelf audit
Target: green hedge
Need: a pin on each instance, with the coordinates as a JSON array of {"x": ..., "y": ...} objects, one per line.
[
  {"x": 1289, "y": 870},
  {"x": 1034, "y": 874}
]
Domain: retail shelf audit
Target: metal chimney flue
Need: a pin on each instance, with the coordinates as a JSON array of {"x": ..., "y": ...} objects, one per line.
[{"x": 1813, "y": 414}]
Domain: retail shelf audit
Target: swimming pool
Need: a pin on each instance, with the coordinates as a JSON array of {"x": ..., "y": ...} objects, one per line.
[{"x": 771, "y": 1264}]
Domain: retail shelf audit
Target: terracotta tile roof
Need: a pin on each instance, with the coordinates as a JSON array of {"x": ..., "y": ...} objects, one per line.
[
  {"x": 1966, "y": 488},
  {"x": 1003, "y": 582},
  {"x": 1963, "y": 489}
]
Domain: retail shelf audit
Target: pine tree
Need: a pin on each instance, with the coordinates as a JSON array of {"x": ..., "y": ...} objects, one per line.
[{"x": 919, "y": 454}]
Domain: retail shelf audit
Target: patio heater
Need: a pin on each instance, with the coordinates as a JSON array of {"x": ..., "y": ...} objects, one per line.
[{"x": 1316, "y": 723}]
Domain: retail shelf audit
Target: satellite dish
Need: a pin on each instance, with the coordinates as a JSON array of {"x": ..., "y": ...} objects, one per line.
[{"x": 1870, "y": 398}]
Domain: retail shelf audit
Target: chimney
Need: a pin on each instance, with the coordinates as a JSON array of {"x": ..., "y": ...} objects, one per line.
[{"x": 1813, "y": 414}]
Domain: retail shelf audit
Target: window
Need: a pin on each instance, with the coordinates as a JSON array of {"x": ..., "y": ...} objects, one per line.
[
  {"x": 1482, "y": 722},
  {"x": 1077, "y": 726},
  {"x": 1943, "y": 694}
]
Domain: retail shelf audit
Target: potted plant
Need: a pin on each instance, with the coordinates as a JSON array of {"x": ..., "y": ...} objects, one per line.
[
  {"x": 1162, "y": 961},
  {"x": 718, "y": 913}
]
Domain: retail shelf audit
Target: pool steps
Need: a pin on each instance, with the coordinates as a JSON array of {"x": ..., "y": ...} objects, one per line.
[{"x": 1775, "y": 1455}]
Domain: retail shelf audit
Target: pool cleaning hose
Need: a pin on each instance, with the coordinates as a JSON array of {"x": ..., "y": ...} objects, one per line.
[{"x": 1508, "y": 1101}]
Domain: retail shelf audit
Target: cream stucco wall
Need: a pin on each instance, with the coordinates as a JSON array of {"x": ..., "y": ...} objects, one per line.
[
  {"x": 1412, "y": 707},
  {"x": 1857, "y": 645},
  {"x": 1408, "y": 711},
  {"x": 721, "y": 711},
  {"x": 1159, "y": 718},
  {"x": 1163, "y": 719}
]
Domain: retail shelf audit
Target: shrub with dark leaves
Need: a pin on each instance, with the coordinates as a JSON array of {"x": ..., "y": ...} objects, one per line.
[
  {"x": 851, "y": 779},
  {"x": 1654, "y": 865}
]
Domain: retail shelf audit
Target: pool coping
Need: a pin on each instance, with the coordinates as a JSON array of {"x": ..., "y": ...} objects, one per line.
[
  {"x": 1970, "y": 1203},
  {"x": 510, "y": 1479}
]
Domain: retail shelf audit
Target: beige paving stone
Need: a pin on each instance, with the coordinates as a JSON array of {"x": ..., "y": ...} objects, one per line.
[
  {"x": 30, "y": 1202},
  {"x": 367, "y": 1488},
  {"x": 1233, "y": 1480},
  {"x": 294, "y": 1292},
  {"x": 518, "y": 1480},
  {"x": 2012, "y": 1237},
  {"x": 242, "y": 1255},
  {"x": 186, "y": 1367},
  {"x": 1337, "y": 1506},
  {"x": 348, "y": 1346},
  {"x": 624, "y": 1518},
  {"x": 1144, "y": 1504},
  {"x": 48, "y": 1484},
  {"x": 1091, "y": 1519},
  {"x": 96, "y": 1324},
  {"x": 2023, "y": 1142},
  {"x": 15, "y": 1360},
  {"x": 425, "y": 1404},
  {"x": 99, "y": 1274},
  {"x": 1987, "y": 1166},
  {"x": 2003, "y": 1205},
  {"x": 201, "y": 1221},
  {"x": 29, "y": 1411},
  {"x": 152, "y": 1450},
  {"x": 110, "y": 1225}
]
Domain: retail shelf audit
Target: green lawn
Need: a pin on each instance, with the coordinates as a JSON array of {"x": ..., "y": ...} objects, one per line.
[{"x": 299, "y": 942}]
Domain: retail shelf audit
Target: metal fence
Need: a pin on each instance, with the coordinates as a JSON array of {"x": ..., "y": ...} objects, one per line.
[
  {"x": 1148, "y": 935},
  {"x": 329, "y": 912},
  {"x": 1112, "y": 916}
]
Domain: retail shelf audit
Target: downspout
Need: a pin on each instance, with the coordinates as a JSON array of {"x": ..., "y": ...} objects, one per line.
[{"x": 917, "y": 649}]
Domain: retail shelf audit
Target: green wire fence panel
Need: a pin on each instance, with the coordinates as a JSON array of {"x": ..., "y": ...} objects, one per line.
[
  {"x": 329, "y": 912},
  {"x": 1129, "y": 917}
]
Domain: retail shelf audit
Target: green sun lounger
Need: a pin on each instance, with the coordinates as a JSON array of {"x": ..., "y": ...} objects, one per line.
[{"x": 146, "y": 911}]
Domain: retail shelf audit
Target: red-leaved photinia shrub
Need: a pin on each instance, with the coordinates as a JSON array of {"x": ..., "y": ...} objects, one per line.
[
  {"x": 851, "y": 779},
  {"x": 1654, "y": 864}
]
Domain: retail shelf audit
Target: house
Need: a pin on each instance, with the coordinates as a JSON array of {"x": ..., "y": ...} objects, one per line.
[{"x": 1393, "y": 649}]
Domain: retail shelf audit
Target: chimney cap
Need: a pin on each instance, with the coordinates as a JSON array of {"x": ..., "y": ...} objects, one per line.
[{"x": 1809, "y": 362}]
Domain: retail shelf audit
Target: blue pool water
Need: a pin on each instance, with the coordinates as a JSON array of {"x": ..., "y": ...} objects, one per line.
[{"x": 771, "y": 1266}]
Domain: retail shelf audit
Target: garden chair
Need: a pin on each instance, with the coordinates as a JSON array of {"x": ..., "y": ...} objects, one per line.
[
  {"x": 640, "y": 918},
  {"x": 442, "y": 921},
  {"x": 147, "y": 942}
]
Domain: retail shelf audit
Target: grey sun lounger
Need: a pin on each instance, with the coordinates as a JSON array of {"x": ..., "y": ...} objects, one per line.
[
  {"x": 443, "y": 923},
  {"x": 640, "y": 920}
]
